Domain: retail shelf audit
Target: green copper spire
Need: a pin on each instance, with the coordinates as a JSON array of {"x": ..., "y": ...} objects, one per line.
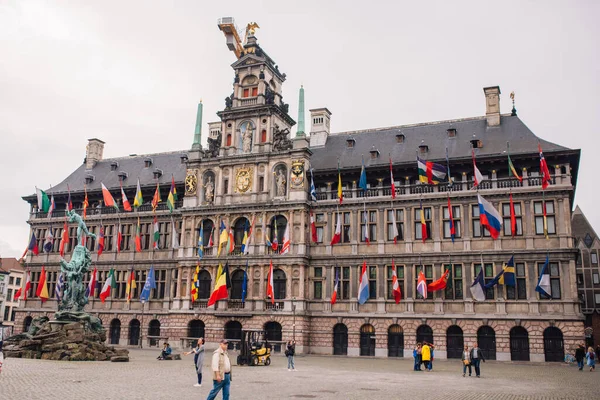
[
  {"x": 198, "y": 130},
  {"x": 300, "y": 131}
]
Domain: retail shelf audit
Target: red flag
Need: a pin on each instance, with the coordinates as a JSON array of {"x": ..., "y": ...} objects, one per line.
[
  {"x": 108, "y": 199},
  {"x": 156, "y": 199},
  {"x": 86, "y": 203},
  {"x": 27, "y": 285},
  {"x": 544, "y": 169},
  {"x": 392, "y": 179},
  {"x": 210, "y": 239},
  {"x": 101, "y": 241},
  {"x": 513, "y": 217},
  {"x": 138, "y": 237},
  {"x": 126, "y": 205},
  {"x": 440, "y": 283},
  {"x": 64, "y": 239},
  {"x": 452, "y": 227},
  {"x": 395, "y": 284},
  {"x": 69, "y": 202},
  {"x": 335, "y": 288},
  {"x": 338, "y": 230},
  {"x": 423, "y": 225},
  {"x": 17, "y": 294},
  {"x": 313, "y": 228},
  {"x": 270, "y": 292},
  {"x": 119, "y": 238},
  {"x": 42, "y": 288}
]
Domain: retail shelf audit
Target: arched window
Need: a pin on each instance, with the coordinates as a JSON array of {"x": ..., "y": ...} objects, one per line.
[
  {"x": 233, "y": 333},
  {"x": 154, "y": 330},
  {"x": 207, "y": 230},
  {"x": 195, "y": 329},
  {"x": 554, "y": 348},
  {"x": 519, "y": 344},
  {"x": 455, "y": 341},
  {"x": 263, "y": 136},
  {"x": 273, "y": 334},
  {"x": 424, "y": 334},
  {"x": 340, "y": 340},
  {"x": 277, "y": 230},
  {"x": 279, "y": 283},
  {"x": 367, "y": 340},
  {"x": 115, "y": 331},
  {"x": 27, "y": 323},
  {"x": 237, "y": 280},
  {"x": 204, "y": 285},
  {"x": 241, "y": 226},
  {"x": 228, "y": 140},
  {"x": 395, "y": 341},
  {"x": 134, "y": 332},
  {"x": 486, "y": 340}
]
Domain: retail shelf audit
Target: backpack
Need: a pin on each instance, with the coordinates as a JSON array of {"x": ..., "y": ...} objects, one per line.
[{"x": 592, "y": 355}]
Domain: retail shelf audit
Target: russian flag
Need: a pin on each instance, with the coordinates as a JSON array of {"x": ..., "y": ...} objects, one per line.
[
  {"x": 363, "y": 286},
  {"x": 489, "y": 217}
]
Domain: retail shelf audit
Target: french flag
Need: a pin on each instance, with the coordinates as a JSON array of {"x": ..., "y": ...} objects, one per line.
[
  {"x": 363, "y": 286},
  {"x": 489, "y": 216}
]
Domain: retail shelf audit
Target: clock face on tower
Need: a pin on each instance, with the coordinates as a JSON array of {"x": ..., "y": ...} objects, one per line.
[{"x": 243, "y": 180}]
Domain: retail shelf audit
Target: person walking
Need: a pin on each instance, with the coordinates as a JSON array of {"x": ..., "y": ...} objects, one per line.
[
  {"x": 580, "y": 356},
  {"x": 198, "y": 359},
  {"x": 476, "y": 358},
  {"x": 426, "y": 355},
  {"x": 466, "y": 360},
  {"x": 591, "y": 359},
  {"x": 221, "y": 367},
  {"x": 290, "y": 351}
]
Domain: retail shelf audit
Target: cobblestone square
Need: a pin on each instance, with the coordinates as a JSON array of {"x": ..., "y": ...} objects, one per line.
[{"x": 318, "y": 377}]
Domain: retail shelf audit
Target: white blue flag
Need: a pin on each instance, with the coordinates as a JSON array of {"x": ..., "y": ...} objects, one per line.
[
  {"x": 543, "y": 286},
  {"x": 478, "y": 287},
  {"x": 60, "y": 282},
  {"x": 149, "y": 285},
  {"x": 313, "y": 190}
]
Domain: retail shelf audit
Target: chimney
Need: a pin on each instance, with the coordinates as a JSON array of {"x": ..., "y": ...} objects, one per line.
[
  {"x": 319, "y": 126},
  {"x": 93, "y": 152},
  {"x": 492, "y": 105}
]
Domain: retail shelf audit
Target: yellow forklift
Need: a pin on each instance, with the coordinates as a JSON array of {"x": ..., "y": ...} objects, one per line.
[{"x": 254, "y": 348}]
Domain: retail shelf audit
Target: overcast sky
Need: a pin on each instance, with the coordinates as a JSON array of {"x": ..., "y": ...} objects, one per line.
[{"x": 132, "y": 72}]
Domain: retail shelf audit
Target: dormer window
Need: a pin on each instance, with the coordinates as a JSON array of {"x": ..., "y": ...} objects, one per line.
[
  {"x": 157, "y": 173},
  {"x": 114, "y": 166},
  {"x": 476, "y": 144},
  {"x": 423, "y": 148},
  {"x": 350, "y": 142},
  {"x": 123, "y": 175},
  {"x": 147, "y": 162},
  {"x": 89, "y": 179},
  {"x": 400, "y": 138},
  {"x": 451, "y": 132},
  {"x": 374, "y": 153},
  {"x": 183, "y": 158}
]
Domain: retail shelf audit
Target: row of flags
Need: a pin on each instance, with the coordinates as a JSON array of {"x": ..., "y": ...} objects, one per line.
[
  {"x": 222, "y": 285},
  {"x": 48, "y": 205},
  {"x": 110, "y": 284}
]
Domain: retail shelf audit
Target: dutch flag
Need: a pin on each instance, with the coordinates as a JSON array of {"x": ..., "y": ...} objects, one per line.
[{"x": 363, "y": 286}]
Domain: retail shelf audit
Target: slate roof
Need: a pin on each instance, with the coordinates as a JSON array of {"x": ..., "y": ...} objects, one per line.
[
  {"x": 7, "y": 264},
  {"x": 134, "y": 166},
  {"x": 435, "y": 136},
  {"x": 580, "y": 226}
]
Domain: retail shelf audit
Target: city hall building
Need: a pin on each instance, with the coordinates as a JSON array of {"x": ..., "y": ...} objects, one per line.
[{"x": 255, "y": 172}]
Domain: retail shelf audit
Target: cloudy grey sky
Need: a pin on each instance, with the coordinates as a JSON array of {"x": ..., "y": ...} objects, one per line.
[{"x": 131, "y": 73}]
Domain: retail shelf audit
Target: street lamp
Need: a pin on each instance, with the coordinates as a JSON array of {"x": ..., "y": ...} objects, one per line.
[{"x": 294, "y": 319}]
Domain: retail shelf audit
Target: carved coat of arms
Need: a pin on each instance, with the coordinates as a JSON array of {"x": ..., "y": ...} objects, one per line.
[{"x": 297, "y": 174}]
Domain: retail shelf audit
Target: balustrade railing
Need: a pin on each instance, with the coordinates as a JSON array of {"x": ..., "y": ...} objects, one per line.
[
  {"x": 98, "y": 211},
  {"x": 277, "y": 306}
]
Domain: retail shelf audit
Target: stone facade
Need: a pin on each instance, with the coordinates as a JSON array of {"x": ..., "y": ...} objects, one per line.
[{"x": 247, "y": 167}]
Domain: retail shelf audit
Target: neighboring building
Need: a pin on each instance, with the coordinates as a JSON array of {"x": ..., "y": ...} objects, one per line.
[
  {"x": 14, "y": 274},
  {"x": 254, "y": 171},
  {"x": 588, "y": 274}
]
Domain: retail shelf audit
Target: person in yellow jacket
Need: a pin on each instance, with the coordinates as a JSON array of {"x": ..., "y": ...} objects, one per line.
[{"x": 426, "y": 355}]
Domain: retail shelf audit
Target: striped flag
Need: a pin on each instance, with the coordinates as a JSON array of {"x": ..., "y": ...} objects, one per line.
[
  {"x": 477, "y": 174},
  {"x": 430, "y": 172},
  {"x": 392, "y": 180},
  {"x": 156, "y": 234},
  {"x": 59, "y": 287}
]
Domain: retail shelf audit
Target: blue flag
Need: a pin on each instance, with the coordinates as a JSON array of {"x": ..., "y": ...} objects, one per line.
[
  {"x": 201, "y": 242},
  {"x": 59, "y": 287},
  {"x": 543, "y": 286},
  {"x": 362, "y": 183},
  {"x": 313, "y": 190},
  {"x": 245, "y": 284},
  {"x": 150, "y": 284}
]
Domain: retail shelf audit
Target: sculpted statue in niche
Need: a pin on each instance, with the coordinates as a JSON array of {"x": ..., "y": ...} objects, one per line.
[
  {"x": 280, "y": 182},
  {"x": 246, "y": 130},
  {"x": 209, "y": 190}
]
